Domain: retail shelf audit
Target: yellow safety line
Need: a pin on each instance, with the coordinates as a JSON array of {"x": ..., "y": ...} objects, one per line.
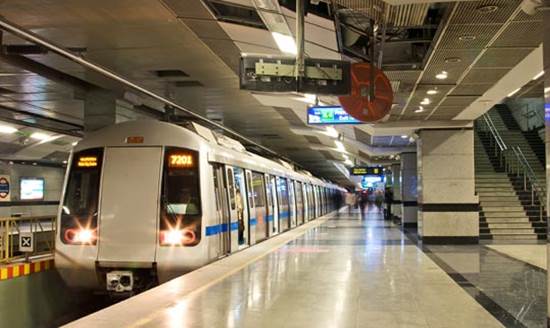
[{"x": 152, "y": 315}]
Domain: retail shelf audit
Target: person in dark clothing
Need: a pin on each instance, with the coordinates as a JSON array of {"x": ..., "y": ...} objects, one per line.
[
  {"x": 363, "y": 202},
  {"x": 388, "y": 199},
  {"x": 338, "y": 202}
]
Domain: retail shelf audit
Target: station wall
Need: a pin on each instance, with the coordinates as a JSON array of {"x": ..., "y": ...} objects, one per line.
[{"x": 53, "y": 185}]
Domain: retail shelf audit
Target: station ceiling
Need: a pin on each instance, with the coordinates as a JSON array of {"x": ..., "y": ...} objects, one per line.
[{"x": 189, "y": 50}]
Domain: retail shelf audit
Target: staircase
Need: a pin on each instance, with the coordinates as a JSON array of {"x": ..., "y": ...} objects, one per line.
[{"x": 502, "y": 215}]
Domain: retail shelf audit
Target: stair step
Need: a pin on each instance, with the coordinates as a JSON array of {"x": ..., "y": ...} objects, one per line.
[
  {"x": 504, "y": 214},
  {"x": 491, "y": 209},
  {"x": 515, "y": 236},
  {"x": 508, "y": 226}
]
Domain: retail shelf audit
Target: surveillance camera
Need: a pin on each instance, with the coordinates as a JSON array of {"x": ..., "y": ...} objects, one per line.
[{"x": 530, "y": 6}]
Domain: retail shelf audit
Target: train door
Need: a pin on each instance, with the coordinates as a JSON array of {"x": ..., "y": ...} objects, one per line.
[
  {"x": 315, "y": 201},
  {"x": 306, "y": 202},
  {"x": 233, "y": 216},
  {"x": 129, "y": 195},
  {"x": 270, "y": 210},
  {"x": 223, "y": 221},
  {"x": 258, "y": 193},
  {"x": 292, "y": 204},
  {"x": 299, "y": 202},
  {"x": 275, "y": 199},
  {"x": 252, "y": 219},
  {"x": 243, "y": 216},
  {"x": 282, "y": 197}
]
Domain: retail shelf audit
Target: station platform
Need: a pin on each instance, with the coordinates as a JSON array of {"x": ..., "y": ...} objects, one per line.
[{"x": 345, "y": 271}]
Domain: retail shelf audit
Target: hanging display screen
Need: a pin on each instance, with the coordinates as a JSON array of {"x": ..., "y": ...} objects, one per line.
[{"x": 329, "y": 115}]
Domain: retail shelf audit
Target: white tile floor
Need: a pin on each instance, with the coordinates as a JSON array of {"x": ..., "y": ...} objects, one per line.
[{"x": 345, "y": 273}]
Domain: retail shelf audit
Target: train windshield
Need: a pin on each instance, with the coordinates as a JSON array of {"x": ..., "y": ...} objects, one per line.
[
  {"x": 79, "y": 210},
  {"x": 181, "y": 207}
]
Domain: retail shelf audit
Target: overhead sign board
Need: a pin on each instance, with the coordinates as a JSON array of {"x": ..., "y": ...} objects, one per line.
[
  {"x": 367, "y": 170},
  {"x": 278, "y": 74},
  {"x": 26, "y": 242},
  {"x": 329, "y": 115}
]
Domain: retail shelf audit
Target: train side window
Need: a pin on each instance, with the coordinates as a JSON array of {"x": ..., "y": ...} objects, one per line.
[
  {"x": 231, "y": 187},
  {"x": 180, "y": 199}
]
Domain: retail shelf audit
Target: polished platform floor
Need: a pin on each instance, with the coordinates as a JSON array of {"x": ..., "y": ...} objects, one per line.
[{"x": 345, "y": 272}]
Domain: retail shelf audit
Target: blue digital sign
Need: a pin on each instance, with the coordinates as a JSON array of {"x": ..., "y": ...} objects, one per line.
[{"x": 329, "y": 115}]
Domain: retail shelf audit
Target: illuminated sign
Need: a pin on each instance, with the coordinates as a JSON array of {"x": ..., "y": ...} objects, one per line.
[
  {"x": 366, "y": 170},
  {"x": 87, "y": 161},
  {"x": 134, "y": 140},
  {"x": 329, "y": 115},
  {"x": 180, "y": 160},
  {"x": 31, "y": 188}
]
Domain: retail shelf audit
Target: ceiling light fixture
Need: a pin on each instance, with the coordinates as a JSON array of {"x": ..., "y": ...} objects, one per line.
[
  {"x": 432, "y": 92},
  {"x": 442, "y": 76},
  {"x": 404, "y": 136},
  {"x": 546, "y": 90},
  {"x": 513, "y": 92},
  {"x": 340, "y": 146},
  {"x": 348, "y": 162},
  {"x": 487, "y": 9},
  {"x": 453, "y": 60},
  {"x": 285, "y": 43},
  {"x": 331, "y": 132},
  {"x": 425, "y": 101},
  {"x": 40, "y": 136},
  {"x": 467, "y": 37},
  {"x": 74, "y": 143},
  {"x": 419, "y": 110},
  {"x": 536, "y": 77},
  {"x": 7, "y": 129}
]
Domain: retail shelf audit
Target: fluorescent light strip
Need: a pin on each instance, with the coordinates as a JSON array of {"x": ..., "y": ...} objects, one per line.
[
  {"x": 340, "y": 146},
  {"x": 513, "y": 92},
  {"x": 536, "y": 77},
  {"x": 7, "y": 129},
  {"x": 285, "y": 43}
]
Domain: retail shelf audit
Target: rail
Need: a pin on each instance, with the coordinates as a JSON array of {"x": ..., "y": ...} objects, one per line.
[
  {"x": 41, "y": 228},
  {"x": 514, "y": 162}
]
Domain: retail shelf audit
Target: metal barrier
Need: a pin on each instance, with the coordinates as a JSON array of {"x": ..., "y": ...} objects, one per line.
[
  {"x": 40, "y": 230},
  {"x": 514, "y": 162}
]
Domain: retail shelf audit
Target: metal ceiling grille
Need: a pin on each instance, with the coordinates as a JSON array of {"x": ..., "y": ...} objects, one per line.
[{"x": 379, "y": 11}]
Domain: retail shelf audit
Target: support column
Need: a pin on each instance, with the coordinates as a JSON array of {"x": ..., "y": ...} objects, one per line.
[
  {"x": 546, "y": 65},
  {"x": 409, "y": 202},
  {"x": 448, "y": 210},
  {"x": 99, "y": 109},
  {"x": 396, "y": 187}
]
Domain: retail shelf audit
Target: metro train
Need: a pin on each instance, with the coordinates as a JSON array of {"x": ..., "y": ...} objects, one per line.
[{"x": 146, "y": 201}]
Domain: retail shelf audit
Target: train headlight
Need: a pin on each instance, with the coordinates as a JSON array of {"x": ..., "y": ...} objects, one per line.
[
  {"x": 177, "y": 237},
  {"x": 80, "y": 236}
]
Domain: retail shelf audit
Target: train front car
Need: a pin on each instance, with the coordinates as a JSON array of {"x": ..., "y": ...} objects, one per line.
[{"x": 131, "y": 215}]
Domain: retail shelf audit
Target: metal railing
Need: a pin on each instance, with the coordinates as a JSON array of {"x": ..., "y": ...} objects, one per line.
[
  {"x": 12, "y": 229},
  {"x": 514, "y": 162}
]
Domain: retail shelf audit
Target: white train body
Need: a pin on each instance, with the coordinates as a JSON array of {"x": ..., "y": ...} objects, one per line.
[{"x": 149, "y": 200}]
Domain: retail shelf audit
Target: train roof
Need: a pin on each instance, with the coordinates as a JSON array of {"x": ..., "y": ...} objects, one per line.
[{"x": 221, "y": 149}]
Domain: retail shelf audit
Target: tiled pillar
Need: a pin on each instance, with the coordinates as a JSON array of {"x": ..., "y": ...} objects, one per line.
[
  {"x": 99, "y": 109},
  {"x": 396, "y": 186},
  {"x": 546, "y": 65},
  {"x": 448, "y": 211},
  {"x": 409, "y": 202}
]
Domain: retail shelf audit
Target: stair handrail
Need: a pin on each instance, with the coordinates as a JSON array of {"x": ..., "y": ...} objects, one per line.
[
  {"x": 530, "y": 172},
  {"x": 501, "y": 150},
  {"x": 538, "y": 190},
  {"x": 495, "y": 140}
]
